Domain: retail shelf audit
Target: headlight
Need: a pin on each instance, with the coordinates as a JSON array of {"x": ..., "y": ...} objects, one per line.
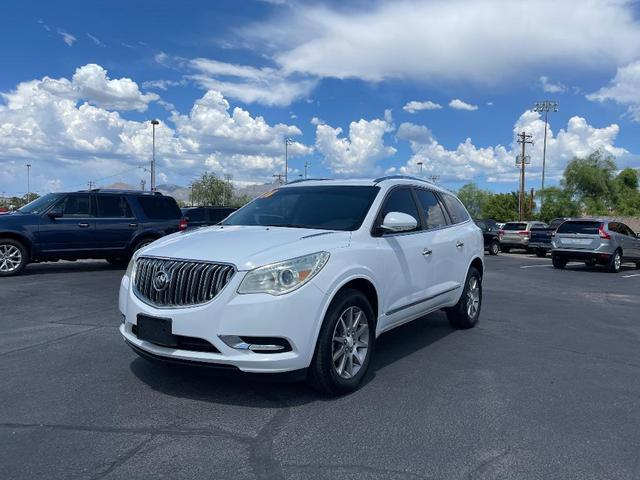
[
  {"x": 131, "y": 268},
  {"x": 283, "y": 277}
]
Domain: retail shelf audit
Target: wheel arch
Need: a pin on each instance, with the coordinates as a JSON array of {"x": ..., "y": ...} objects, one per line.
[
  {"x": 19, "y": 238},
  {"x": 478, "y": 264}
]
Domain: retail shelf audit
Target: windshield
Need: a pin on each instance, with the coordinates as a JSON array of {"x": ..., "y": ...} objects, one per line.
[
  {"x": 324, "y": 208},
  {"x": 41, "y": 204}
]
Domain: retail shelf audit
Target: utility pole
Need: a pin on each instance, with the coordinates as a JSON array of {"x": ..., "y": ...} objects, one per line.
[
  {"x": 278, "y": 177},
  {"x": 154, "y": 122},
  {"x": 306, "y": 168},
  {"x": 28, "y": 182},
  {"x": 523, "y": 139},
  {"x": 545, "y": 106},
  {"x": 91, "y": 183},
  {"x": 143, "y": 184},
  {"x": 227, "y": 190},
  {"x": 420, "y": 163},
  {"x": 287, "y": 142}
]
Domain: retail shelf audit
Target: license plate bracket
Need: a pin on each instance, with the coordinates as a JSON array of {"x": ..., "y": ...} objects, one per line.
[{"x": 156, "y": 330}]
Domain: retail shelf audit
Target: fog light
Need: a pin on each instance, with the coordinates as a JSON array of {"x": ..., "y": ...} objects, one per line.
[{"x": 257, "y": 344}]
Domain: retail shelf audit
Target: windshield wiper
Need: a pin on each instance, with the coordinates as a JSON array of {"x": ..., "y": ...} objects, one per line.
[{"x": 288, "y": 225}]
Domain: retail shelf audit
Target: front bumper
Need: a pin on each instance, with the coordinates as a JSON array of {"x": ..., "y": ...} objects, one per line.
[{"x": 294, "y": 317}]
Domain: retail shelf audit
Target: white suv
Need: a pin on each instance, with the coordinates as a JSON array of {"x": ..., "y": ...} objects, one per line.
[{"x": 305, "y": 278}]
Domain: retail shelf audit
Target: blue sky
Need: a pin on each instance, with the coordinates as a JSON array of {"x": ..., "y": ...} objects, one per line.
[{"x": 229, "y": 80}]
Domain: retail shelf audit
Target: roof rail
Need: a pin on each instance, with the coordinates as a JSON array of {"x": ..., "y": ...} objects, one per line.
[
  {"x": 115, "y": 190},
  {"x": 402, "y": 177},
  {"x": 299, "y": 180}
]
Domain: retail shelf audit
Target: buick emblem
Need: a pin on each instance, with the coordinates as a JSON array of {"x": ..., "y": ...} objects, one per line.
[{"x": 161, "y": 280}]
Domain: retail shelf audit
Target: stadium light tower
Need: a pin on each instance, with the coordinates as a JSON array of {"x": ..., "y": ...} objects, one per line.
[{"x": 545, "y": 106}]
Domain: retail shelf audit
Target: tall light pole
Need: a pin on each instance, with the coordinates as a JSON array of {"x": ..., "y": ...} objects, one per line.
[
  {"x": 154, "y": 122},
  {"x": 420, "y": 163},
  {"x": 545, "y": 106},
  {"x": 306, "y": 168},
  {"x": 287, "y": 142},
  {"x": 28, "y": 182}
]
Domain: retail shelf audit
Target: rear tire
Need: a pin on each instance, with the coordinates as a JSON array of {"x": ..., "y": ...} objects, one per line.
[
  {"x": 348, "y": 332},
  {"x": 466, "y": 312},
  {"x": 494, "y": 247},
  {"x": 13, "y": 257},
  {"x": 143, "y": 243},
  {"x": 615, "y": 262},
  {"x": 540, "y": 252},
  {"x": 558, "y": 262}
]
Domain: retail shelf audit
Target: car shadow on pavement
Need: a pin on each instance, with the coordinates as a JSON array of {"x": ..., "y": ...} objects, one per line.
[{"x": 267, "y": 391}]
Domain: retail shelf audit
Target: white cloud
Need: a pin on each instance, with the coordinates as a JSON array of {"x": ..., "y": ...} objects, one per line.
[
  {"x": 624, "y": 89},
  {"x": 51, "y": 124},
  {"x": 163, "y": 84},
  {"x": 316, "y": 121},
  {"x": 248, "y": 84},
  {"x": 96, "y": 40},
  {"x": 357, "y": 154},
  {"x": 67, "y": 38},
  {"x": 458, "y": 104},
  {"x": 550, "y": 87},
  {"x": 437, "y": 41},
  {"x": 497, "y": 163},
  {"x": 415, "y": 106}
]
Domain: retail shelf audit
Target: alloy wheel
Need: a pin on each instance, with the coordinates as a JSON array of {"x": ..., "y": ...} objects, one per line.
[
  {"x": 618, "y": 261},
  {"x": 473, "y": 297},
  {"x": 10, "y": 258},
  {"x": 350, "y": 342}
]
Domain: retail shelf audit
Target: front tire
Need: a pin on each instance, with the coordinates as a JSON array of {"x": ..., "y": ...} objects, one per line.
[
  {"x": 466, "y": 312},
  {"x": 494, "y": 248},
  {"x": 345, "y": 345},
  {"x": 13, "y": 257}
]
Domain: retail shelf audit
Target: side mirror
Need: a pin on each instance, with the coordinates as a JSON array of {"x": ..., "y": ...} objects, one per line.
[
  {"x": 398, "y": 222},
  {"x": 54, "y": 213}
]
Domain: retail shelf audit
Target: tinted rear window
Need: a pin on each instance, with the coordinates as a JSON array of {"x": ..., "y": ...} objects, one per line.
[
  {"x": 584, "y": 227},
  {"x": 160, "y": 208},
  {"x": 515, "y": 226},
  {"x": 195, "y": 215},
  {"x": 217, "y": 215}
]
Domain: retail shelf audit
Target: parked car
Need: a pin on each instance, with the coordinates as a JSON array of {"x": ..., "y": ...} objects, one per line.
[
  {"x": 540, "y": 239},
  {"x": 489, "y": 230},
  {"x": 104, "y": 224},
  {"x": 595, "y": 242},
  {"x": 516, "y": 235},
  {"x": 304, "y": 279},
  {"x": 205, "y": 216}
]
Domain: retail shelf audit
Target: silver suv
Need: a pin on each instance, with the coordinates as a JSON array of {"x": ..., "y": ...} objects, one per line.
[
  {"x": 517, "y": 235},
  {"x": 594, "y": 242}
]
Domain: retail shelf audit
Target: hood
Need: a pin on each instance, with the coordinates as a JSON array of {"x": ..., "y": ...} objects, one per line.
[
  {"x": 17, "y": 218},
  {"x": 246, "y": 247}
]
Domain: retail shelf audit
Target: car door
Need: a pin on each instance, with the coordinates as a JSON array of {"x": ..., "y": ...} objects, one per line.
[
  {"x": 440, "y": 238},
  {"x": 115, "y": 223},
  {"x": 69, "y": 226},
  {"x": 461, "y": 238},
  {"x": 632, "y": 250},
  {"x": 406, "y": 265}
]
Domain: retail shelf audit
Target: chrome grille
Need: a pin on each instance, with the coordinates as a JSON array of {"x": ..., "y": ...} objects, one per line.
[{"x": 187, "y": 283}]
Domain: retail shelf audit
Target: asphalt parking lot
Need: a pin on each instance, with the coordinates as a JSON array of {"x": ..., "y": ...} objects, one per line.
[{"x": 546, "y": 386}]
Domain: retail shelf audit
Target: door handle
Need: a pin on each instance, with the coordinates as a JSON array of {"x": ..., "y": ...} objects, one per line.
[
  {"x": 426, "y": 252},
  {"x": 83, "y": 225},
  {"x": 460, "y": 244},
  {"x": 133, "y": 224}
]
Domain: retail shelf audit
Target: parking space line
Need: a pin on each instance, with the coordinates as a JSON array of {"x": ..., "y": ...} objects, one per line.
[
  {"x": 535, "y": 266},
  {"x": 631, "y": 276}
]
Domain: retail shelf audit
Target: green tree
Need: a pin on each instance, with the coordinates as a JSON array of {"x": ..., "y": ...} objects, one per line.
[
  {"x": 211, "y": 190},
  {"x": 589, "y": 181},
  {"x": 474, "y": 198},
  {"x": 557, "y": 203},
  {"x": 627, "y": 196},
  {"x": 503, "y": 207}
]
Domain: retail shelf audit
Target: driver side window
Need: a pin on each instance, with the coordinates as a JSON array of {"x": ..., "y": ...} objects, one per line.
[
  {"x": 401, "y": 200},
  {"x": 75, "y": 206}
]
